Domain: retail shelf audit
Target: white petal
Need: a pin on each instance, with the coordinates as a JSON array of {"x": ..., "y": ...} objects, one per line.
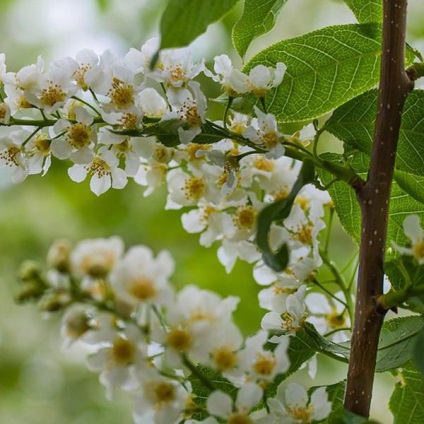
[
  {"x": 100, "y": 185},
  {"x": 219, "y": 404},
  {"x": 248, "y": 396},
  {"x": 77, "y": 173},
  {"x": 296, "y": 395}
]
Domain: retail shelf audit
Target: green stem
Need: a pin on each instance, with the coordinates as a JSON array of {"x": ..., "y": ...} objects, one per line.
[
  {"x": 396, "y": 298},
  {"x": 318, "y": 284},
  {"x": 195, "y": 371},
  {"x": 88, "y": 105},
  {"x": 416, "y": 71},
  {"x": 339, "y": 280}
]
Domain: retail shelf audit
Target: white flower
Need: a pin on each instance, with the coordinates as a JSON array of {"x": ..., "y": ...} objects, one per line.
[
  {"x": 176, "y": 68},
  {"x": 290, "y": 321},
  {"x": 52, "y": 90},
  {"x": 96, "y": 257},
  {"x": 220, "y": 404},
  {"x": 76, "y": 323},
  {"x": 151, "y": 103},
  {"x": 161, "y": 401},
  {"x": 261, "y": 364},
  {"x": 262, "y": 79},
  {"x": 139, "y": 277},
  {"x": 104, "y": 170},
  {"x": 209, "y": 220},
  {"x": 232, "y": 80},
  {"x": 229, "y": 251},
  {"x": 38, "y": 152},
  {"x": 328, "y": 315},
  {"x": 189, "y": 106},
  {"x": 196, "y": 320},
  {"x": 11, "y": 155},
  {"x": 297, "y": 408},
  {"x": 414, "y": 231},
  {"x": 78, "y": 138},
  {"x": 263, "y": 130},
  {"x": 122, "y": 361}
]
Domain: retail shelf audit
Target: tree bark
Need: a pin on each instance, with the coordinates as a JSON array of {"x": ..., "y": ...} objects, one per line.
[{"x": 374, "y": 197}]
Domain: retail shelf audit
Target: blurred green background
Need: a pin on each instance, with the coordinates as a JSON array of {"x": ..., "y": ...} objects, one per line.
[{"x": 41, "y": 382}]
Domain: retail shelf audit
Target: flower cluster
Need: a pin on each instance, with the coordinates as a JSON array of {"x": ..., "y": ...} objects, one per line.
[
  {"x": 115, "y": 118},
  {"x": 158, "y": 344}
]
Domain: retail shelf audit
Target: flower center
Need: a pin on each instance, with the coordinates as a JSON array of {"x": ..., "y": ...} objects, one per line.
[
  {"x": 224, "y": 358},
  {"x": 123, "y": 351},
  {"x": 301, "y": 414},
  {"x": 335, "y": 320},
  {"x": 10, "y": 156},
  {"x": 264, "y": 364},
  {"x": 239, "y": 418},
  {"x": 142, "y": 288},
  {"x": 52, "y": 94},
  {"x": 77, "y": 325},
  {"x": 270, "y": 139},
  {"x": 245, "y": 217},
  {"x": 179, "y": 340},
  {"x": 121, "y": 94},
  {"x": 99, "y": 167},
  {"x": 78, "y": 135},
  {"x": 419, "y": 250},
  {"x": 264, "y": 164},
  {"x": 79, "y": 76},
  {"x": 42, "y": 144},
  {"x": 194, "y": 188},
  {"x": 163, "y": 392},
  {"x": 177, "y": 73}
]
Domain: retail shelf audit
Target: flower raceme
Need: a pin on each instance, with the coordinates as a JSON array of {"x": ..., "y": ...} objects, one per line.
[
  {"x": 107, "y": 116},
  {"x": 154, "y": 342}
]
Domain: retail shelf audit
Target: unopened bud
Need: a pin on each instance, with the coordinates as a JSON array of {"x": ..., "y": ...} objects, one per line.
[{"x": 58, "y": 256}]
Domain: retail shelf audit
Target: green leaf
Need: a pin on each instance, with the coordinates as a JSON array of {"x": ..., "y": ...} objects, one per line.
[
  {"x": 397, "y": 339},
  {"x": 407, "y": 400},
  {"x": 347, "y": 208},
  {"x": 202, "y": 392},
  {"x": 103, "y": 5},
  {"x": 366, "y": 10},
  {"x": 325, "y": 69},
  {"x": 301, "y": 349},
  {"x": 417, "y": 352},
  {"x": 341, "y": 416},
  {"x": 277, "y": 211},
  {"x": 321, "y": 344},
  {"x": 402, "y": 272},
  {"x": 183, "y": 20},
  {"x": 412, "y": 184},
  {"x": 258, "y": 18},
  {"x": 354, "y": 124}
]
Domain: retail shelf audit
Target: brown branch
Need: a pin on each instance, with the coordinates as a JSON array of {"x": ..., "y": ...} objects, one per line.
[{"x": 374, "y": 198}]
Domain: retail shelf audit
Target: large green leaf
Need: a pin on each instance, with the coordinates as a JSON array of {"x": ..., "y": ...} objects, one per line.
[
  {"x": 325, "y": 69},
  {"x": 258, "y": 18},
  {"x": 183, "y": 20},
  {"x": 347, "y": 208},
  {"x": 366, "y": 10},
  {"x": 397, "y": 340},
  {"x": 354, "y": 124},
  {"x": 407, "y": 400},
  {"x": 342, "y": 416},
  {"x": 417, "y": 352}
]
